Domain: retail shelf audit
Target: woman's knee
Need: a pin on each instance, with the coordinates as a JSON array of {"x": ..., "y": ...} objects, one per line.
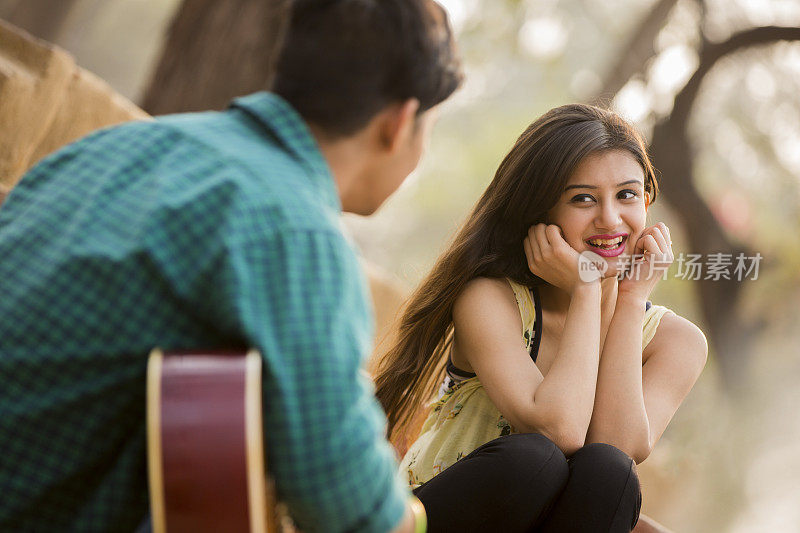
[
  {"x": 606, "y": 464},
  {"x": 531, "y": 458},
  {"x": 506, "y": 485},
  {"x": 602, "y": 485}
]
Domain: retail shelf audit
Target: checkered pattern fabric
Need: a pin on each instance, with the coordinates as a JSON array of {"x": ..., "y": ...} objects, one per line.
[{"x": 207, "y": 230}]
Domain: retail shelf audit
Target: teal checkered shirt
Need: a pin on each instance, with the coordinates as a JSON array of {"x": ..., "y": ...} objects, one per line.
[{"x": 204, "y": 230}]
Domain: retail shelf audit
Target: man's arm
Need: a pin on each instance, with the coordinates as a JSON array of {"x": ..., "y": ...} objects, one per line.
[{"x": 300, "y": 298}]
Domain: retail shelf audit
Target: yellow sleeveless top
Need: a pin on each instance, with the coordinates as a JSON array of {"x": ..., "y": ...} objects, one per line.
[{"x": 464, "y": 417}]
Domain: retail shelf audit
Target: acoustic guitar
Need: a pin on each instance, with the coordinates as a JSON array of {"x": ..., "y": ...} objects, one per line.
[{"x": 206, "y": 464}]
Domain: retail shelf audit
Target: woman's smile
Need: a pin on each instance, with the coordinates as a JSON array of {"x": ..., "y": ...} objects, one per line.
[{"x": 607, "y": 245}]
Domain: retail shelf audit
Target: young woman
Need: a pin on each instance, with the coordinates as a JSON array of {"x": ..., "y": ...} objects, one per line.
[{"x": 553, "y": 379}]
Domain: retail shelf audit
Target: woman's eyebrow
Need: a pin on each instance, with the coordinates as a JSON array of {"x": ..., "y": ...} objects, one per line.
[{"x": 568, "y": 187}]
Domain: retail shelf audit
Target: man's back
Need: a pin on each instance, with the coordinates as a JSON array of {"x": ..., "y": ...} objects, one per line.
[
  {"x": 219, "y": 230},
  {"x": 195, "y": 231}
]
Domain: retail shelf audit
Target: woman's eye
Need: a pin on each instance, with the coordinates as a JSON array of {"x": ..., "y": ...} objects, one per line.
[
  {"x": 582, "y": 199},
  {"x": 586, "y": 198},
  {"x": 633, "y": 194}
]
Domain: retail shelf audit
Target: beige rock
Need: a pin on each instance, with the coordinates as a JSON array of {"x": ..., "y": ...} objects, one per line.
[{"x": 47, "y": 101}]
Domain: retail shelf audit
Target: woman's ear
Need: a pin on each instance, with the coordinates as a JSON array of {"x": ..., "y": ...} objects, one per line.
[{"x": 646, "y": 200}]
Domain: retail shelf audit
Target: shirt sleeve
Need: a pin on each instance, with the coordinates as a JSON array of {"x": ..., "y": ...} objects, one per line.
[{"x": 299, "y": 296}]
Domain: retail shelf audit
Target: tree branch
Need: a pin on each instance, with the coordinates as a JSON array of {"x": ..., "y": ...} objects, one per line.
[
  {"x": 672, "y": 153},
  {"x": 713, "y": 52}
]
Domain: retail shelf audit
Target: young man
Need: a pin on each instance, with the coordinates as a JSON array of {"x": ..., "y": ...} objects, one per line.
[{"x": 209, "y": 231}]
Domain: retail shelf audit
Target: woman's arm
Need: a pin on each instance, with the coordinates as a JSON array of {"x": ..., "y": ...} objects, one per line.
[
  {"x": 634, "y": 403},
  {"x": 488, "y": 333},
  {"x": 633, "y": 415},
  {"x": 674, "y": 360},
  {"x": 619, "y": 416}
]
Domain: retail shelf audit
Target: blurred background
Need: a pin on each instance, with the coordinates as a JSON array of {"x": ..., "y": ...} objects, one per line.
[{"x": 712, "y": 84}]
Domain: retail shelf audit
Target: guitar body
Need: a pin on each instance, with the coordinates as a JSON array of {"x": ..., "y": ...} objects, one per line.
[{"x": 206, "y": 461}]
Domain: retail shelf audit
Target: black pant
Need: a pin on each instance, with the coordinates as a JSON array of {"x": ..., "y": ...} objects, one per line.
[{"x": 523, "y": 482}]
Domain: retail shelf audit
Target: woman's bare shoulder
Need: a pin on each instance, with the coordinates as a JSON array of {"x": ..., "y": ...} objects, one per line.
[
  {"x": 486, "y": 311},
  {"x": 485, "y": 320},
  {"x": 483, "y": 293},
  {"x": 677, "y": 336}
]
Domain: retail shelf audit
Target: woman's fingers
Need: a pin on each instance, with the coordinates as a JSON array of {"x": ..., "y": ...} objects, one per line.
[
  {"x": 664, "y": 232},
  {"x": 650, "y": 245},
  {"x": 661, "y": 240},
  {"x": 541, "y": 236},
  {"x": 664, "y": 242},
  {"x": 540, "y": 249},
  {"x": 526, "y": 245},
  {"x": 553, "y": 234},
  {"x": 645, "y": 246},
  {"x": 667, "y": 238},
  {"x": 660, "y": 236},
  {"x": 638, "y": 248},
  {"x": 533, "y": 241},
  {"x": 664, "y": 229},
  {"x": 532, "y": 256}
]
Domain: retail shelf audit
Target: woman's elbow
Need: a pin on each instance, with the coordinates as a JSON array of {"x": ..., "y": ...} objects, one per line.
[
  {"x": 567, "y": 434},
  {"x": 567, "y": 440},
  {"x": 569, "y": 446},
  {"x": 571, "y": 442},
  {"x": 641, "y": 454},
  {"x": 636, "y": 451},
  {"x": 637, "y": 447}
]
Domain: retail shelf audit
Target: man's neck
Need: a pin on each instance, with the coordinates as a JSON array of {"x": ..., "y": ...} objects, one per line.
[{"x": 346, "y": 159}]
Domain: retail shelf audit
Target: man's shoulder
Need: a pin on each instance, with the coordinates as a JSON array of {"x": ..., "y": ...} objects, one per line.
[
  {"x": 271, "y": 177},
  {"x": 206, "y": 165},
  {"x": 227, "y": 135}
]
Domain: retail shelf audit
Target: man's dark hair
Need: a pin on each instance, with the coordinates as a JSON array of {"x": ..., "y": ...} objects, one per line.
[{"x": 343, "y": 61}]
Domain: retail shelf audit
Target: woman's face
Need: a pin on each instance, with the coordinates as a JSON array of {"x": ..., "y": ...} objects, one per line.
[{"x": 603, "y": 199}]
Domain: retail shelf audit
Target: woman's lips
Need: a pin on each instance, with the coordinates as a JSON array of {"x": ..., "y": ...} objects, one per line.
[{"x": 612, "y": 252}]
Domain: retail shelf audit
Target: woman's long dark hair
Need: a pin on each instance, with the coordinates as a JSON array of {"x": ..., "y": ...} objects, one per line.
[{"x": 528, "y": 183}]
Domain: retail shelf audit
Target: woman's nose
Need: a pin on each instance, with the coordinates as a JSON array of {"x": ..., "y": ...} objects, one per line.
[{"x": 608, "y": 217}]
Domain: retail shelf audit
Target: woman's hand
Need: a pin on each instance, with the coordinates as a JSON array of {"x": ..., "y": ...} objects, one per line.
[
  {"x": 551, "y": 258},
  {"x": 655, "y": 244}
]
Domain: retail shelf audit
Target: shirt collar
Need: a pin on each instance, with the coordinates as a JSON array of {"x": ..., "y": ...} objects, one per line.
[{"x": 276, "y": 115}]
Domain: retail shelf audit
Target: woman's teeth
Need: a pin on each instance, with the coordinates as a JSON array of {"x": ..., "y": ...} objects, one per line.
[{"x": 606, "y": 244}]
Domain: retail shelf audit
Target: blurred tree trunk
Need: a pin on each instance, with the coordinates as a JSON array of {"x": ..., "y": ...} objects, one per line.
[
  {"x": 731, "y": 336},
  {"x": 635, "y": 52},
  {"x": 215, "y": 51},
  {"x": 41, "y": 18}
]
